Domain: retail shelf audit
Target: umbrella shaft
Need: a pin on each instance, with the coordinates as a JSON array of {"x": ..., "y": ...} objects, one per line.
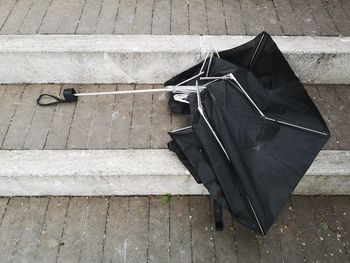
[{"x": 120, "y": 92}]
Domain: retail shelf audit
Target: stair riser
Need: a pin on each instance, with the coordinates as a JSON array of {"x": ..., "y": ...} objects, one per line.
[
  {"x": 152, "y": 59},
  {"x": 136, "y": 172}
]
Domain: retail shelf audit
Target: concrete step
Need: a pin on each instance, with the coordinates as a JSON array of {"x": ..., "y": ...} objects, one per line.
[
  {"x": 67, "y": 149},
  {"x": 152, "y": 58},
  {"x": 136, "y": 172}
]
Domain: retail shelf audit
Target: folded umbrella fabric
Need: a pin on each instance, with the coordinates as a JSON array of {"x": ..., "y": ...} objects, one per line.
[{"x": 257, "y": 131}]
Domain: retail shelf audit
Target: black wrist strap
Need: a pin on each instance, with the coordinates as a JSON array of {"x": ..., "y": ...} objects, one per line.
[{"x": 56, "y": 100}]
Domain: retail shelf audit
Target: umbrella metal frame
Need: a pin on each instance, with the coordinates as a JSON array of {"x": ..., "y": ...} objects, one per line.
[{"x": 202, "y": 113}]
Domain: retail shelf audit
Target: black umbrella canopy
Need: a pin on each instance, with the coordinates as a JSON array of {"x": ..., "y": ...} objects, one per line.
[{"x": 258, "y": 133}]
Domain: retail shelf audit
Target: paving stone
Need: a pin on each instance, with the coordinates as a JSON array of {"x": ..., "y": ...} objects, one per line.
[
  {"x": 141, "y": 229},
  {"x": 322, "y": 18},
  {"x": 161, "y": 17},
  {"x": 180, "y": 229},
  {"x": 71, "y": 243},
  {"x": 333, "y": 247},
  {"x": 159, "y": 225},
  {"x": 338, "y": 112},
  {"x": 346, "y": 6},
  {"x": 308, "y": 230},
  {"x": 42, "y": 120},
  {"x": 95, "y": 225},
  {"x": 31, "y": 230},
  {"x": 225, "y": 242},
  {"x": 137, "y": 235},
  {"x": 179, "y": 17},
  {"x": 11, "y": 226},
  {"x": 6, "y": 7},
  {"x": 143, "y": 17},
  {"x": 61, "y": 123},
  {"x": 161, "y": 120},
  {"x": 121, "y": 119},
  {"x": 102, "y": 119},
  {"x": 341, "y": 210},
  {"x": 291, "y": 245},
  {"x": 22, "y": 119},
  {"x": 234, "y": 18},
  {"x": 9, "y": 103},
  {"x": 198, "y": 19},
  {"x": 305, "y": 18},
  {"x": 83, "y": 119},
  {"x": 140, "y": 132},
  {"x": 16, "y": 17},
  {"x": 247, "y": 244},
  {"x": 216, "y": 17},
  {"x": 250, "y": 12},
  {"x": 52, "y": 230},
  {"x": 32, "y": 21},
  {"x": 339, "y": 16},
  {"x": 201, "y": 230},
  {"x": 71, "y": 17},
  {"x": 107, "y": 17},
  {"x": 116, "y": 242},
  {"x": 269, "y": 18},
  {"x": 126, "y": 17},
  {"x": 89, "y": 17},
  {"x": 53, "y": 17},
  {"x": 270, "y": 246},
  {"x": 287, "y": 18}
]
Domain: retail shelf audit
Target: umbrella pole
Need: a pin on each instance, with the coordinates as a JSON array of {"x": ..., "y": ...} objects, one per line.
[
  {"x": 70, "y": 94},
  {"x": 121, "y": 92}
]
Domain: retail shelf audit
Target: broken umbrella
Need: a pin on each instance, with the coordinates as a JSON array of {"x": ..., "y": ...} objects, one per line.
[{"x": 254, "y": 131}]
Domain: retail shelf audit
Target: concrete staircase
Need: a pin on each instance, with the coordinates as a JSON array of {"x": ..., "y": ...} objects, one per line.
[{"x": 34, "y": 169}]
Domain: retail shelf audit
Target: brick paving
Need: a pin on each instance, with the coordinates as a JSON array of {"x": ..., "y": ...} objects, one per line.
[
  {"x": 124, "y": 122},
  {"x": 214, "y": 17},
  {"x": 144, "y": 229}
]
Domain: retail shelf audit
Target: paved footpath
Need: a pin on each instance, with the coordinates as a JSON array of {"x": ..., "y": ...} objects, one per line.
[
  {"x": 177, "y": 17},
  {"x": 124, "y": 122},
  {"x": 143, "y": 229}
]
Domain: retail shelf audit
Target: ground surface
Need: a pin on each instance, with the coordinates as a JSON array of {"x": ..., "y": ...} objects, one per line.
[
  {"x": 142, "y": 229},
  {"x": 124, "y": 122},
  {"x": 277, "y": 17}
]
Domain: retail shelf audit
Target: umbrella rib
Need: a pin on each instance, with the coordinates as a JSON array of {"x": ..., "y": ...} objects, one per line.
[
  {"x": 246, "y": 94},
  {"x": 187, "y": 80},
  {"x": 202, "y": 113},
  {"x": 205, "y": 60},
  {"x": 295, "y": 126},
  {"x": 256, "y": 50},
  {"x": 209, "y": 64},
  {"x": 181, "y": 129},
  {"x": 216, "y": 51},
  {"x": 255, "y": 215},
  {"x": 272, "y": 119}
]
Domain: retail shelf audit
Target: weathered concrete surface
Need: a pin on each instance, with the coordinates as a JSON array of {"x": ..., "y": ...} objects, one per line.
[
  {"x": 152, "y": 59},
  {"x": 136, "y": 172}
]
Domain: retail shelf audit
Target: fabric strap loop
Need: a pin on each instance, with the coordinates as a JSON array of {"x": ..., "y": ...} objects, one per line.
[{"x": 57, "y": 100}]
